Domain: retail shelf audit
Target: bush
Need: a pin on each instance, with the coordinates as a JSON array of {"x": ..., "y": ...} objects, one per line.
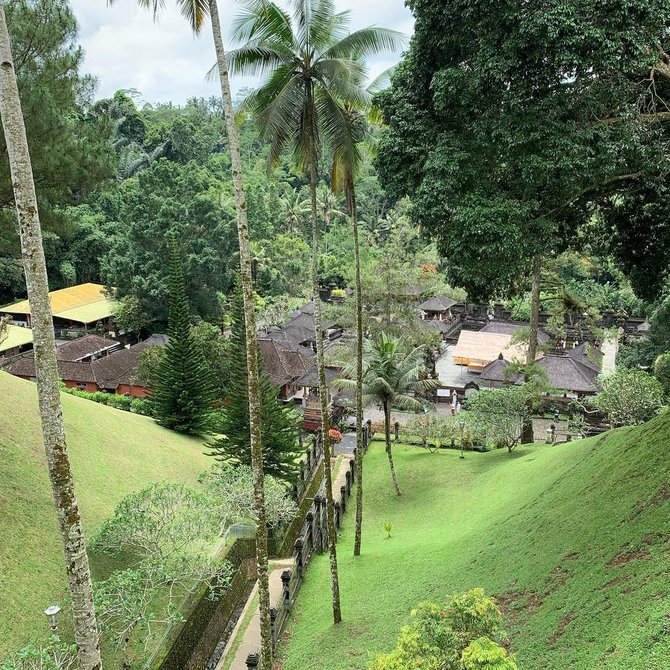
[
  {"x": 629, "y": 397},
  {"x": 465, "y": 633},
  {"x": 662, "y": 372}
]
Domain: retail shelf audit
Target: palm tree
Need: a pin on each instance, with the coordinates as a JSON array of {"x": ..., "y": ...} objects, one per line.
[
  {"x": 196, "y": 12},
  {"x": 311, "y": 67},
  {"x": 346, "y": 164},
  {"x": 51, "y": 415},
  {"x": 293, "y": 208},
  {"x": 328, "y": 208},
  {"x": 391, "y": 378}
]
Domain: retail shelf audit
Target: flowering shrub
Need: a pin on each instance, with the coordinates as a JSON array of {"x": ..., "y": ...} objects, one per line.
[{"x": 335, "y": 436}]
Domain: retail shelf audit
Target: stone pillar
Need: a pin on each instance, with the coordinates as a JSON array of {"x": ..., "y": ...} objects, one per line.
[
  {"x": 396, "y": 430},
  {"x": 343, "y": 497},
  {"x": 318, "y": 536},
  {"x": 253, "y": 661},
  {"x": 338, "y": 514},
  {"x": 347, "y": 474},
  {"x": 369, "y": 425},
  {"x": 273, "y": 626},
  {"x": 286, "y": 589},
  {"x": 299, "y": 558}
]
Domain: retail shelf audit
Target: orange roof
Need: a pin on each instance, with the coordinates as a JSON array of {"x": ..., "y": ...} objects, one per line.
[
  {"x": 483, "y": 348},
  {"x": 66, "y": 301}
]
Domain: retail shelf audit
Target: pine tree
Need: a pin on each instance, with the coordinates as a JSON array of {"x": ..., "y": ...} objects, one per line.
[
  {"x": 184, "y": 394},
  {"x": 279, "y": 422}
]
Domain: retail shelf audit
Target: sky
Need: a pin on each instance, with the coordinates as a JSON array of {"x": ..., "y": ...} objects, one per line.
[{"x": 165, "y": 62}]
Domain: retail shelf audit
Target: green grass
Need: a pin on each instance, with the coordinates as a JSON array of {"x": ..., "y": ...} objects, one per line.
[
  {"x": 573, "y": 539},
  {"x": 113, "y": 453}
]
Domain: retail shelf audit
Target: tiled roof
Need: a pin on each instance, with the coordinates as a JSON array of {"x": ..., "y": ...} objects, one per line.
[
  {"x": 589, "y": 355},
  {"x": 84, "y": 347},
  {"x": 109, "y": 372}
]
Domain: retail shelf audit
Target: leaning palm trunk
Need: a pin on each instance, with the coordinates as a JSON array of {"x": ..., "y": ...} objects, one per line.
[
  {"x": 251, "y": 345},
  {"x": 323, "y": 386},
  {"x": 387, "y": 429},
  {"x": 53, "y": 430},
  {"x": 351, "y": 202}
]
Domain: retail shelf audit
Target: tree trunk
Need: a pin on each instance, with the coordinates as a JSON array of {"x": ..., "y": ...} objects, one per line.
[
  {"x": 351, "y": 201},
  {"x": 320, "y": 362},
  {"x": 387, "y": 429},
  {"x": 251, "y": 345},
  {"x": 527, "y": 436},
  {"x": 534, "y": 312},
  {"x": 44, "y": 345}
]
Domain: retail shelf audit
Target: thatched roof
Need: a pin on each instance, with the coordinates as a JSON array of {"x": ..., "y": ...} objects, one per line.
[
  {"x": 483, "y": 347},
  {"x": 510, "y": 328},
  {"x": 284, "y": 362},
  {"x": 438, "y": 303}
]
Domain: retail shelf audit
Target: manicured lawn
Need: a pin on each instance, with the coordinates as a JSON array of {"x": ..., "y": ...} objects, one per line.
[
  {"x": 113, "y": 453},
  {"x": 573, "y": 539}
]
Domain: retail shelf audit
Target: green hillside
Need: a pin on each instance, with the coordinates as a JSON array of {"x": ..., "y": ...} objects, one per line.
[
  {"x": 574, "y": 541},
  {"x": 112, "y": 453}
]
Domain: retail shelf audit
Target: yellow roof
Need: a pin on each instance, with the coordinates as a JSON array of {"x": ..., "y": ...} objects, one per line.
[
  {"x": 15, "y": 337},
  {"x": 484, "y": 348},
  {"x": 84, "y": 303}
]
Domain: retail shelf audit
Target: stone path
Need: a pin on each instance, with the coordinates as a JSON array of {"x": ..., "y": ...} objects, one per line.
[{"x": 251, "y": 640}]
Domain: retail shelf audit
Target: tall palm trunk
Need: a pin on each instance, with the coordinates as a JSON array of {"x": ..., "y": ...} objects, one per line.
[
  {"x": 351, "y": 203},
  {"x": 320, "y": 362},
  {"x": 387, "y": 430},
  {"x": 251, "y": 345},
  {"x": 53, "y": 430},
  {"x": 527, "y": 432},
  {"x": 534, "y": 311}
]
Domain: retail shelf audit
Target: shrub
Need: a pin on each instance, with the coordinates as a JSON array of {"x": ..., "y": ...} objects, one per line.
[
  {"x": 629, "y": 397},
  {"x": 662, "y": 372},
  {"x": 335, "y": 436},
  {"x": 464, "y": 633}
]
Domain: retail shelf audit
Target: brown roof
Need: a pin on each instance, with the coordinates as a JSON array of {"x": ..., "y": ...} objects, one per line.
[
  {"x": 563, "y": 373},
  {"x": 511, "y": 327},
  {"x": 121, "y": 366},
  {"x": 85, "y": 347},
  {"x": 438, "y": 303},
  {"x": 109, "y": 372},
  {"x": 67, "y": 370},
  {"x": 284, "y": 362},
  {"x": 311, "y": 378}
]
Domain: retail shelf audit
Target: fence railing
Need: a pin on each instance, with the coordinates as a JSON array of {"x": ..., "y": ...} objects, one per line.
[{"x": 312, "y": 540}]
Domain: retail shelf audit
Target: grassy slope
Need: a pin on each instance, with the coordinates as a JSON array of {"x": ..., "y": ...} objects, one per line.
[
  {"x": 112, "y": 453},
  {"x": 573, "y": 539}
]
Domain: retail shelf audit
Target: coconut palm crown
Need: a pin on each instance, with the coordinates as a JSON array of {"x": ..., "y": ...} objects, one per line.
[{"x": 311, "y": 66}]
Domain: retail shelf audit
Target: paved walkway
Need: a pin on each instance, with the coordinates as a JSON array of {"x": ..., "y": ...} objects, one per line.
[{"x": 251, "y": 641}]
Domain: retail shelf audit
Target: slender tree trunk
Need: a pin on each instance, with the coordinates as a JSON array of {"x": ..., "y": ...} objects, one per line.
[
  {"x": 251, "y": 345},
  {"x": 387, "y": 429},
  {"x": 323, "y": 386},
  {"x": 527, "y": 436},
  {"x": 44, "y": 345},
  {"x": 534, "y": 311},
  {"x": 351, "y": 201}
]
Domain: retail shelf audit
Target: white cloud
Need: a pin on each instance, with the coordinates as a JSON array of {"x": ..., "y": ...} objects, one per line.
[{"x": 125, "y": 48}]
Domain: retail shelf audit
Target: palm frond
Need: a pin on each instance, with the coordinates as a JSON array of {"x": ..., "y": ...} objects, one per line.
[
  {"x": 194, "y": 11},
  {"x": 262, "y": 20},
  {"x": 367, "y": 42},
  {"x": 256, "y": 59}
]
